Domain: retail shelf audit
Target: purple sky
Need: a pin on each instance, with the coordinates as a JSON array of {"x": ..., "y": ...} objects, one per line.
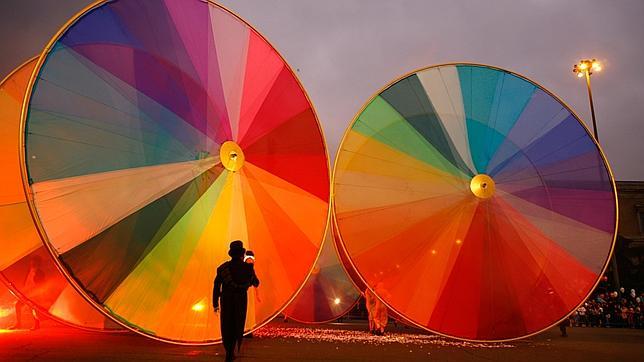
[{"x": 347, "y": 49}]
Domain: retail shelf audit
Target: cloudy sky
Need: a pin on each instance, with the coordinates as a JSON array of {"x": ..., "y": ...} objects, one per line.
[{"x": 348, "y": 49}]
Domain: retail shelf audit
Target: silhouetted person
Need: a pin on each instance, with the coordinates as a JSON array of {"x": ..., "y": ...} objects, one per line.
[
  {"x": 563, "y": 325},
  {"x": 35, "y": 276},
  {"x": 233, "y": 279},
  {"x": 377, "y": 310}
]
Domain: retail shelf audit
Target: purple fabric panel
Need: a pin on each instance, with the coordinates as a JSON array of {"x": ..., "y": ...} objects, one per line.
[
  {"x": 184, "y": 38},
  {"x": 80, "y": 88},
  {"x": 160, "y": 63},
  {"x": 541, "y": 111},
  {"x": 564, "y": 172},
  {"x": 563, "y": 193},
  {"x": 593, "y": 208},
  {"x": 191, "y": 23},
  {"x": 100, "y": 25},
  {"x": 578, "y": 188},
  {"x": 155, "y": 78},
  {"x": 153, "y": 28},
  {"x": 586, "y": 171},
  {"x": 567, "y": 140}
]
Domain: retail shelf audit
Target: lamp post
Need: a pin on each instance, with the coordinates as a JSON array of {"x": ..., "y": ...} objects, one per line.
[{"x": 585, "y": 68}]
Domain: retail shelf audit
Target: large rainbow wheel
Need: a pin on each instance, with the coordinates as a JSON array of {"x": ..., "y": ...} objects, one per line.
[
  {"x": 25, "y": 265},
  {"x": 329, "y": 293},
  {"x": 479, "y": 200},
  {"x": 156, "y": 133}
]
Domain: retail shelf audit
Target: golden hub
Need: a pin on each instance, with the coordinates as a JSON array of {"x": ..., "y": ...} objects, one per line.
[
  {"x": 482, "y": 186},
  {"x": 231, "y": 156}
]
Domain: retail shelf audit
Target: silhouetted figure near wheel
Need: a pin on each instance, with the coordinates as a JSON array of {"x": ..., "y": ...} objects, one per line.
[
  {"x": 377, "y": 310},
  {"x": 33, "y": 281},
  {"x": 563, "y": 325},
  {"x": 233, "y": 279}
]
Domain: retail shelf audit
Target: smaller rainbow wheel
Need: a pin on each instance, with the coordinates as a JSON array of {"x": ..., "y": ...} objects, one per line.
[
  {"x": 157, "y": 132},
  {"x": 329, "y": 292},
  {"x": 478, "y": 199},
  {"x": 7, "y": 312},
  {"x": 355, "y": 276},
  {"x": 8, "y": 302},
  {"x": 25, "y": 265}
]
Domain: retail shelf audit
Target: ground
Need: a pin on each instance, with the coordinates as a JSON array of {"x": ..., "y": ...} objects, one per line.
[{"x": 331, "y": 342}]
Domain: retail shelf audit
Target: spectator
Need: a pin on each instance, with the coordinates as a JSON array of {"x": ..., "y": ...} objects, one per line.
[
  {"x": 611, "y": 308},
  {"x": 581, "y": 313}
]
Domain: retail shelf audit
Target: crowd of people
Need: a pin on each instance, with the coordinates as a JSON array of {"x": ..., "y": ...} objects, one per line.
[{"x": 621, "y": 308}]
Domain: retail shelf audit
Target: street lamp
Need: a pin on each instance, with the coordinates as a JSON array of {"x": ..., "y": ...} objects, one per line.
[{"x": 585, "y": 68}]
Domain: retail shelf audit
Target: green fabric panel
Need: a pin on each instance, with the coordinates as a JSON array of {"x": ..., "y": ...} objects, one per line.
[
  {"x": 409, "y": 99},
  {"x": 163, "y": 267},
  {"x": 383, "y": 123},
  {"x": 117, "y": 250}
]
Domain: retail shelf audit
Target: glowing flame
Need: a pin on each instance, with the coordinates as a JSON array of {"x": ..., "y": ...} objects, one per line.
[
  {"x": 336, "y": 301},
  {"x": 5, "y": 312},
  {"x": 199, "y": 307}
]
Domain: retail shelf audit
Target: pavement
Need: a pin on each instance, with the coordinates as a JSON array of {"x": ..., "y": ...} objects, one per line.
[{"x": 280, "y": 341}]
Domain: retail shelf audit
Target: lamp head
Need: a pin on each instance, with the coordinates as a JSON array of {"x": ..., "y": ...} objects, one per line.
[{"x": 586, "y": 66}]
